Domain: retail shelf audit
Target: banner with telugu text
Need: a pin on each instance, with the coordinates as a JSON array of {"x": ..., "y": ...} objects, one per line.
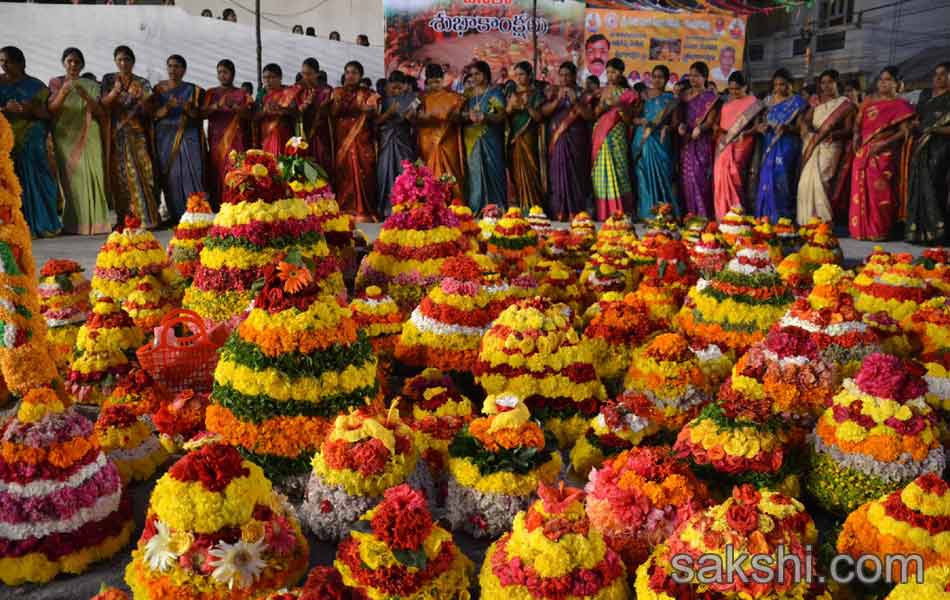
[
  {"x": 456, "y": 32},
  {"x": 644, "y": 39}
]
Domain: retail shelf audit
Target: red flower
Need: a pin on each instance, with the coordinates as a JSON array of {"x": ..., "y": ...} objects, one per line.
[
  {"x": 746, "y": 494},
  {"x": 214, "y": 465},
  {"x": 326, "y": 507},
  {"x": 402, "y": 519},
  {"x": 743, "y": 518},
  {"x": 887, "y": 376},
  {"x": 369, "y": 457},
  {"x": 325, "y": 583}
]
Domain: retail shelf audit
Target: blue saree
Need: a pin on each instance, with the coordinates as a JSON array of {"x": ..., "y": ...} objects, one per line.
[
  {"x": 30, "y": 160},
  {"x": 778, "y": 173},
  {"x": 179, "y": 140},
  {"x": 485, "y": 181},
  {"x": 653, "y": 158}
]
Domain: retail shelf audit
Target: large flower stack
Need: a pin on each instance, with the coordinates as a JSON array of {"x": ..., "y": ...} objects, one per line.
[
  {"x": 367, "y": 452},
  {"x": 751, "y": 522},
  {"x": 338, "y": 227},
  {"x": 930, "y": 326},
  {"x": 188, "y": 236},
  {"x": 912, "y": 521},
  {"x": 894, "y": 289},
  {"x": 666, "y": 281},
  {"x": 415, "y": 240},
  {"x": 617, "y": 328},
  {"x": 878, "y": 435},
  {"x": 289, "y": 369},
  {"x": 737, "y": 306},
  {"x": 445, "y": 331},
  {"x": 735, "y": 224},
  {"x": 552, "y": 546},
  {"x": 215, "y": 529},
  {"x": 638, "y": 499},
  {"x": 105, "y": 350},
  {"x": 513, "y": 244},
  {"x": 259, "y": 221},
  {"x": 532, "y": 351},
  {"x": 620, "y": 425},
  {"x": 397, "y": 550},
  {"x": 64, "y": 302},
  {"x": 63, "y": 503},
  {"x": 495, "y": 465},
  {"x": 539, "y": 222}
]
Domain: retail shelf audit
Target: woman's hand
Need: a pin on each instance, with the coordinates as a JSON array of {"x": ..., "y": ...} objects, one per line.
[
  {"x": 681, "y": 129},
  {"x": 762, "y": 127}
]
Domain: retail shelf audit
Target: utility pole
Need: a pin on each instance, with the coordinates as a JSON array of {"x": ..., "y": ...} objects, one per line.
[{"x": 257, "y": 33}]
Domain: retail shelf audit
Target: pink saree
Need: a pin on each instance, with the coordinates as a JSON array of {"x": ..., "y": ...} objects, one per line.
[{"x": 734, "y": 152}]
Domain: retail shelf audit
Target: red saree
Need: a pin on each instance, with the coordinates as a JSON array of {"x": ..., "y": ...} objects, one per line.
[
  {"x": 275, "y": 130},
  {"x": 226, "y": 131},
  {"x": 355, "y": 161},
  {"x": 873, "y": 172},
  {"x": 315, "y": 123}
]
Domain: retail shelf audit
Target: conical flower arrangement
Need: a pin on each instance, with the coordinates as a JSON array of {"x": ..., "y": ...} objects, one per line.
[
  {"x": 467, "y": 223},
  {"x": 666, "y": 282},
  {"x": 378, "y": 316},
  {"x": 557, "y": 282},
  {"x": 821, "y": 249},
  {"x": 582, "y": 225},
  {"x": 734, "y": 225},
  {"x": 894, "y": 289},
  {"x": 709, "y": 256},
  {"x": 129, "y": 257},
  {"x": 539, "y": 222},
  {"x": 570, "y": 248},
  {"x": 931, "y": 327},
  {"x": 64, "y": 302},
  {"x": 215, "y": 529},
  {"x": 513, "y": 243},
  {"x": 788, "y": 236},
  {"x": 188, "y": 236},
  {"x": 614, "y": 332},
  {"x": 613, "y": 233},
  {"x": 620, "y": 425}
]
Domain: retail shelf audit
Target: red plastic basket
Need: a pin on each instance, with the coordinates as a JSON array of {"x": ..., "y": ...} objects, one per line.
[{"x": 181, "y": 363}]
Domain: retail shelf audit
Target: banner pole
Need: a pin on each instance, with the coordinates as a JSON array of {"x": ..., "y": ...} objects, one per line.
[{"x": 257, "y": 33}]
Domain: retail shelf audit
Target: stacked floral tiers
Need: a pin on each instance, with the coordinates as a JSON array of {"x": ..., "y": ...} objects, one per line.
[
  {"x": 638, "y": 499},
  {"x": 378, "y": 316},
  {"x": 667, "y": 280},
  {"x": 64, "y": 302},
  {"x": 601, "y": 277},
  {"x": 663, "y": 222},
  {"x": 931, "y": 328},
  {"x": 763, "y": 233},
  {"x": 258, "y": 223},
  {"x": 337, "y": 227},
  {"x": 445, "y": 331},
  {"x": 620, "y": 425},
  {"x": 513, "y": 243},
  {"x": 495, "y": 465},
  {"x": 613, "y": 233},
  {"x": 708, "y": 255},
  {"x": 552, "y": 546},
  {"x": 130, "y": 257},
  {"x": 533, "y": 352},
  {"x": 734, "y": 224},
  {"x": 181, "y": 419},
  {"x": 738, "y": 305},
  {"x": 367, "y": 452},
  {"x": 539, "y": 222},
  {"x": 558, "y": 283},
  {"x": 129, "y": 442},
  {"x": 216, "y": 530},
  {"x": 619, "y": 326},
  {"x": 188, "y": 236},
  {"x": 693, "y": 228},
  {"x": 467, "y": 223},
  {"x": 913, "y": 521},
  {"x": 105, "y": 350},
  {"x": 149, "y": 303},
  {"x": 415, "y": 240},
  {"x": 878, "y": 435},
  {"x": 289, "y": 369},
  {"x": 486, "y": 223},
  {"x": 751, "y": 522},
  {"x": 894, "y": 289},
  {"x": 788, "y": 237},
  {"x": 821, "y": 249},
  {"x": 935, "y": 586},
  {"x": 63, "y": 504},
  {"x": 584, "y": 227},
  {"x": 933, "y": 266},
  {"x": 396, "y": 550},
  {"x": 568, "y": 248}
]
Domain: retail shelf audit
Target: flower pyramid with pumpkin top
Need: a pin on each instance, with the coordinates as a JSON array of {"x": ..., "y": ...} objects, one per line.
[
  {"x": 260, "y": 220},
  {"x": 495, "y": 465},
  {"x": 878, "y": 435},
  {"x": 539, "y": 222},
  {"x": 367, "y": 452},
  {"x": 215, "y": 529},
  {"x": 737, "y": 306},
  {"x": 64, "y": 302},
  {"x": 105, "y": 350},
  {"x": 188, "y": 236},
  {"x": 532, "y": 351},
  {"x": 397, "y": 550},
  {"x": 296, "y": 362},
  {"x": 552, "y": 546},
  {"x": 749, "y": 523}
]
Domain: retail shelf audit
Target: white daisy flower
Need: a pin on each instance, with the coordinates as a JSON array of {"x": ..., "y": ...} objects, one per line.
[
  {"x": 158, "y": 553},
  {"x": 238, "y": 564}
]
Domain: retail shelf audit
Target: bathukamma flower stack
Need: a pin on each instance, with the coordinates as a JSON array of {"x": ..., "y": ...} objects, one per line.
[
  {"x": 64, "y": 302},
  {"x": 188, "y": 236}
]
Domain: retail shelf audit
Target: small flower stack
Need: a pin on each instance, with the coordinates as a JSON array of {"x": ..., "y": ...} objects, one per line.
[
  {"x": 539, "y": 222},
  {"x": 149, "y": 302},
  {"x": 568, "y": 248},
  {"x": 664, "y": 222},
  {"x": 367, "y": 452},
  {"x": 130, "y": 257},
  {"x": 693, "y": 228},
  {"x": 216, "y": 530},
  {"x": 734, "y": 225},
  {"x": 708, "y": 255},
  {"x": 188, "y": 236},
  {"x": 613, "y": 233},
  {"x": 396, "y": 550},
  {"x": 878, "y": 435},
  {"x": 533, "y": 352},
  {"x": 933, "y": 266},
  {"x": 552, "y": 546},
  {"x": 619, "y": 426},
  {"x": 788, "y": 237},
  {"x": 513, "y": 244},
  {"x": 930, "y": 326},
  {"x": 638, "y": 499},
  {"x": 894, "y": 289},
  {"x": 378, "y": 316},
  {"x": 751, "y": 522},
  {"x": 63, "y": 504},
  {"x": 666, "y": 282},
  {"x": 617, "y": 328},
  {"x": 64, "y": 302},
  {"x": 105, "y": 350},
  {"x": 821, "y": 249},
  {"x": 558, "y": 283},
  {"x": 495, "y": 465},
  {"x": 337, "y": 227},
  {"x": 467, "y": 223},
  {"x": 585, "y": 228}
]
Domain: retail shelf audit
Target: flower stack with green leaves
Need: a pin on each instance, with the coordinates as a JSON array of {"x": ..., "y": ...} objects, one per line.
[
  {"x": 666, "y": 281},
  {"x": 64, "y": 302},
  {"x": 188, "y": 236},
  {"x": 615, "y": 330},
  {"x": 539, "y": 222},
  {"x": 513, "y": 244},
  {"x": 735, "y": 224},
  {"x": 620, "y": 425}
]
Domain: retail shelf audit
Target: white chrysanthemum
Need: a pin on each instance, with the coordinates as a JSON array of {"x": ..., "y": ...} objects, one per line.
[
  {"x": 158, "y": 552},
  {"x": 238, "y": 564}
]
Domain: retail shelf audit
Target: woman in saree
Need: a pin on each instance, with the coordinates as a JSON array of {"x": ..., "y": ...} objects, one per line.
[
  {"x": 930, "y": 163},
  {"x": 652, "y": 146},
  {"x": 313, "y": 110},
  {"x": 179, "y": 138},
  {"x": 396, "y": 140},
  {"x": 569, "y": 115},
  {"x": 528, "y": 171},
  {"x": 484, "y": 133},
  {"x": 883, "y": 124},
  {"x": 77, "y": 143},
  {"x": 227, "y": 108},
  {"x": 277, "y": 111},
  {"x": 698, "y": 120},
  {"x": 613, "y": 190},
  {"x": 353, "y": 109},
  {"x": 439, "y": 133},
  {"x": 826, "y": 128},
  {"x": 736, "y": 145},
  {"x": 125, "y": 97},
  {"x": 23, "y": 102},
  {"x": 781, "y": 150}
]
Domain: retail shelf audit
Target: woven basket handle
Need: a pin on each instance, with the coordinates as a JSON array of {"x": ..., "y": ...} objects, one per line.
[{"x": 188, "y": 318}]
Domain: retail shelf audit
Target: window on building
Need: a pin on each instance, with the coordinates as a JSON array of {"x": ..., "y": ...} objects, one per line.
[
  {"x": 756, "y": 52},
  {"x": 798, "y": 46},
  {"x": 830, "y": 41},
  {"x": 834, "y": 13}
]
